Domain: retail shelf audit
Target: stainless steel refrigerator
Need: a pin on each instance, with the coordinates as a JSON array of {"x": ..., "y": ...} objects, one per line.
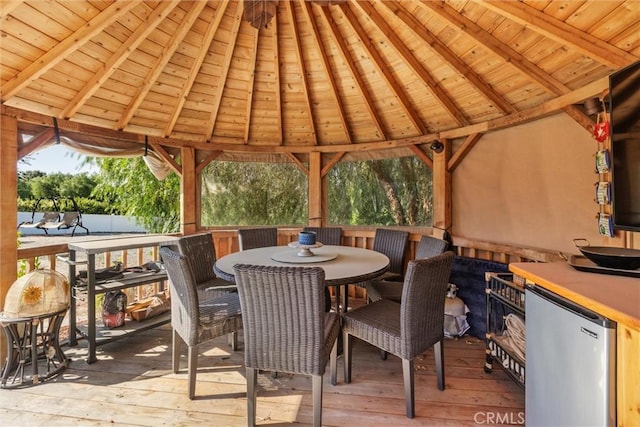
[{"x": 570, "y": 363}]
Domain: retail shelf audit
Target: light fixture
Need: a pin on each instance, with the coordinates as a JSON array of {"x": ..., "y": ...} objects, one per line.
[
  {"x": 259, "y": 12},
  {"x": 437, "y": 146}
]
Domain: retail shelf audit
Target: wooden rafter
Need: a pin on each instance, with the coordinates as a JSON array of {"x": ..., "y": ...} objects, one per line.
[
  {"x": 208, "y": 159},
  {"x": 225, "y": 66},
  {"x": 421, "y": 155},
  {"x": 300, "y": 59},
  {"x": 383, "y": 69},
  {"x": 158, "y": 66},
  {"x": 561, "y": 32},
  {"x": 276, "y": 62},
  {"x": 119, "y": 56},
  {"x": 308, "y": 14},
  {"x": 60, "y": 52},
  {"x": 159, "y": 150},
  {"x": 353, "y": 69},
  {"x": 438, "y": 92},
  {"x": 197, "y": 63},
  {"x": 250, "y": 84},
  {"x": 8, "y": 6},
  {"x": 450, "y": 57},
  {"x": 297, "y": 161},
  {"x": 336, "y": 158}
]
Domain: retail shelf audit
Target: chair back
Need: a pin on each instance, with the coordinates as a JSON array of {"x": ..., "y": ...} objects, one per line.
[
  {"x": 283, "y": 318},
  {"x": 70, "y": 217},
  {"x": 392, "y": 243},
  {"x": 423, "y": 299},
  {"x": 327, "y": 235},
  {"x": 200, "y": 253},
  {"x": 250, "y": 238},
  {"x": 185, "y": 311},
  {"x": 430, "y": 246}
]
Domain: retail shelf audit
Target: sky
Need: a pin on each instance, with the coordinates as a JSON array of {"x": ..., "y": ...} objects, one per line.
[{"x": 56, "y": 159}]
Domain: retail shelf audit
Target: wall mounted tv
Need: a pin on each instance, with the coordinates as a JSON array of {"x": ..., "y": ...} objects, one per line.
[{"x": 624, "y": 92}]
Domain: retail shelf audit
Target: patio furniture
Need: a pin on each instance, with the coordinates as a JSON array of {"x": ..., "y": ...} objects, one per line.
[
  {"x": 328, "y": 236},
  {"x": 200, "y": 252},
  {"x": 427, "y": 248},
  {"x": 250, "y": 238},
  {"x": 70, "y": 219},
  {"x": 286, "y": 328},
  {"x": 47, "y": 217},
  {"x": 409, "y": 328},
  {"x": 392, "y": 243},
  {"x": 193, "y": 320}
]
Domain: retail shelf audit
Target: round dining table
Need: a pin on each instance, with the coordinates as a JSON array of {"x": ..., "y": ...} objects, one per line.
[{"x": 342, "y": 265}]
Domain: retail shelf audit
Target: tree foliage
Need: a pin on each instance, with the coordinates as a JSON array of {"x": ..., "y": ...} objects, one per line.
[{"x": 131, "y": 189}]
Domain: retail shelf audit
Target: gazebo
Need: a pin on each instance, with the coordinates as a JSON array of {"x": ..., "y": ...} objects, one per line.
[{"x": 489, "y": 94}]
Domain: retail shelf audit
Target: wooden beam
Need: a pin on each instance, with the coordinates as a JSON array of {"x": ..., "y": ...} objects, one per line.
[
  {"x": 277, "y": 91},
  {"x": 315, "y": 208},
  {"x": 8, "y": 6},
  {"x": 250, "y": 85},
  {"x": 119, "y": 56},
  {"x": 383, "y": 69},
  {"x": 195, "y": 66},
  {"x": 36, "y": 142},
  {"x": 460, "y": 154},
  {"x": 330, "y": 76},
  {"x": 70, "y": 44},
  {"x": 189, "y": 201},
  {"x": 561, "y": 32},
  {"x": 158, "y": 66},
  {"x": 450, "y": 57},
  {"x": 159, "y": 150},
  {"x": 361, "y": 85},
  {"x": 300, "y": 61},
  {"x": 442, "y": 187},
  {"x": 298, "y": 163},
  {"x": 327, "y": 167},
  {"x": 210, "y": 157},
  {"x": 8, "y": 211},
  {"x": 581, "y": 118},
  {"x": 420, "y": 154}
]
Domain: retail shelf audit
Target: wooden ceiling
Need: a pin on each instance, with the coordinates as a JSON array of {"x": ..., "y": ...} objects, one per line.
[{"x": 351, "y": 76}]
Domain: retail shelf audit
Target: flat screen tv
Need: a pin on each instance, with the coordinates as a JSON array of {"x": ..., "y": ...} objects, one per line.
[{"x": 624, "y": 92}]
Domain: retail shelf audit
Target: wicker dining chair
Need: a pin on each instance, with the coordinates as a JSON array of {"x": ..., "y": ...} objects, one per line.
[
  {"x": 409, "y": 328},
  {"x": 250, "y": 238},
  {"x": 428, "y": 247},
  {"x": 392, "y": 243},
  {"x": 200, "y": 252},
  {"x": 327, "y": 236},
  {"x": 286, "y": 328},
  {"x": 196, "y": 321}
]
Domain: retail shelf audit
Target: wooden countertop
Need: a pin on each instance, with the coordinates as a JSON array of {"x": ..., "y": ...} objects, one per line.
[{"x": 615, "y": 297}]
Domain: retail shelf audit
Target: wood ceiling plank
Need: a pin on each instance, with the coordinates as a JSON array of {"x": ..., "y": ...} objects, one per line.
[
  {"x": 383, "y": 69},
  {"x": 251, "y": 85},
  {"x": 56, "y": 55},
  {"x": 158, "y": 65},
  {"x": 196, "y": 66},
  {"x": 118, "y": 57},
  {"x": 563, "y": 33}
]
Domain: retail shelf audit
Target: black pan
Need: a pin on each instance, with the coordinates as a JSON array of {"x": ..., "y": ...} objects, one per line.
[{"x": 610, "y": 257}]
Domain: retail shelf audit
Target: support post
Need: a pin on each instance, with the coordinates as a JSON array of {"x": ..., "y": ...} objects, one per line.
[
  {"x": 317, "y": 190},
  {"x": 189, "y": 206},
  {"x": 442, "y": 187}
]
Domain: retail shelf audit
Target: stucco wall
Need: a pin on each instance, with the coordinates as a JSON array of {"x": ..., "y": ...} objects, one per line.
[{"x": 532, "y": 185}]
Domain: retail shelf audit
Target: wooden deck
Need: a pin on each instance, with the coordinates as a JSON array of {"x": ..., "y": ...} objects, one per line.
[{"x": 132, "y": 384}]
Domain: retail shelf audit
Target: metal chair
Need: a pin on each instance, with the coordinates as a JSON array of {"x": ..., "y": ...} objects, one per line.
[
  {"x": 250, "y": 238},
  {"x": 389, "y": 289},
  {"x": 286, "y": 328},
  {"x": 200, "y": 252},
  {"x": 409, "y": 328},
  {"x": 193, "y": 320}
]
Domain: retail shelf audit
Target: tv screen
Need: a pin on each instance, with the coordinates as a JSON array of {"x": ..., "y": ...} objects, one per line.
[{"x": 624, "y": 92}]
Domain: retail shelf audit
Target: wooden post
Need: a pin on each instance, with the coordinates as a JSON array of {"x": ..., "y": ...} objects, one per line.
[
  {"x": 316, "y": 205},
  {"x": 8, "y": 211},
  {"x": 442, "y": 187},
  {"x": 188, "y": 200}
]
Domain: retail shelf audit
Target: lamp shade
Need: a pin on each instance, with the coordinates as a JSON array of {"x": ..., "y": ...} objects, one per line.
[{"x": 37, "y": 293}]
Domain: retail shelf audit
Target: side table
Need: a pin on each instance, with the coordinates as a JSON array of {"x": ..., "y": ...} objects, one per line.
[{"x": 32, "y": 341}]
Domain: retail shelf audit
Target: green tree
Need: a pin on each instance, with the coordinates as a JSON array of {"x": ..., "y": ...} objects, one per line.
[{"x": 130, "y": 188}]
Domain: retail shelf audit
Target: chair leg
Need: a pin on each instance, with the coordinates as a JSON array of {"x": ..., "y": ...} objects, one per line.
[
  {"x": 438, "y": 351},
  {"x": 252, "y": 394},
  {"x": 192, "y": 369},
  {"x": 333, "y": 364},
  {"x": 346, "y": 351},
  {"x": 317, "y": 400},
  {"x": 407, "y": 373},
  {"x": 175, "y": 351}
]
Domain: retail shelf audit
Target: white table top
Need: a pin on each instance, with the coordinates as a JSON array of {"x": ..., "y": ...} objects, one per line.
[
  {"x": 114, "y": 244},
  {"x": 351, "y": 265}
]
